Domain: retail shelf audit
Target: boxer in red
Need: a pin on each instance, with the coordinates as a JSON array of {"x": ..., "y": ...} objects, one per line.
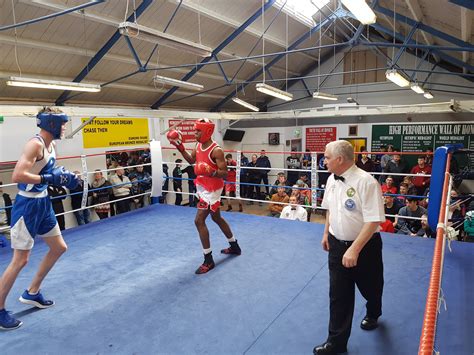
[{"x": 211, "y": 169}]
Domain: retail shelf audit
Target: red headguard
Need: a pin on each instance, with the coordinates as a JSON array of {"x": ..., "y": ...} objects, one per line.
[{"x": 206, "y": 127}]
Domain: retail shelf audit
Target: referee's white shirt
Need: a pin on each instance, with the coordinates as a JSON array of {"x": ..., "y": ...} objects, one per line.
[{"x": 352, "y": 202}]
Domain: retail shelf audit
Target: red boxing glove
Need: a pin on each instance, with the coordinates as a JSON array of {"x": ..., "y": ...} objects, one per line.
[
  {"x": 176, "y": 138},
  {"x": 204, "y": 169}
]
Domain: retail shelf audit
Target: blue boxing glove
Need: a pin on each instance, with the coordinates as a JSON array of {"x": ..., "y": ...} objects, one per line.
[{"x": 60, "y": 177}]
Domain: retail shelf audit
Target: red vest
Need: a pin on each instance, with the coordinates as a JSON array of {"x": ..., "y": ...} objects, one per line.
[
  {"x": 204, "y": 155},
  {"x": 231, "y": 172}
]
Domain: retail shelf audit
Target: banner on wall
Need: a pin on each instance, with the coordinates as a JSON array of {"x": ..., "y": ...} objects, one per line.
[
  {"x": 104, "y": 132},
  {"x": 186, "y": 128},
  {"x": 318, "y": 137},
  {"x": 420, "y": 137}
]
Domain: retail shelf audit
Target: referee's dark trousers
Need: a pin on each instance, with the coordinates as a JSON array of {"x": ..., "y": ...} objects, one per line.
[{"x": 367, "y": 275}]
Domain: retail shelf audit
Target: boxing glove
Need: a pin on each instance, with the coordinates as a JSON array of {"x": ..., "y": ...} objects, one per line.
[
  {"x": 204, "y": 169},
  {"x": 176, "y": 138},
  {"x": 60, "y": 177}
]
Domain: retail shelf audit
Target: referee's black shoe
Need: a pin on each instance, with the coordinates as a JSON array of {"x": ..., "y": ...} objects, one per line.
[
  {"x": 369, "y": 323},
  {"x": 328, "y": 348}
]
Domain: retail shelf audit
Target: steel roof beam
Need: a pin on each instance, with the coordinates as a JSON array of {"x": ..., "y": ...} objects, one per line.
[
  {"x": 103, "y": 51},
  {"x": 235, "y": 24},
  {"x": 277, "y": 58},
  {"x": 216, "y": 51}
]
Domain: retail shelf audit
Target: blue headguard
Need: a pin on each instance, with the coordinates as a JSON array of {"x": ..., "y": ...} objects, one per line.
[{"x": 51, "y": 122}]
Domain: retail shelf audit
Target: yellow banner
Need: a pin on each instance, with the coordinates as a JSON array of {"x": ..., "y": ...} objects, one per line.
[{"x": 105, "y": 132}]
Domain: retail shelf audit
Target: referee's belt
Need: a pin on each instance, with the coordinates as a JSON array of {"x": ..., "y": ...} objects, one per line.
[{"x": 348, "y": 243}]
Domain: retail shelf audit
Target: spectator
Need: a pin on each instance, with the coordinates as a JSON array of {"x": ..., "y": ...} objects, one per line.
[
  {"x": 281, "y": 197},
  {"x": 454, "y": 211},
  {"x": 429, "y": 157},
  {"x": 410, "y": 226},
  {"x": 392, "y": 206},
  {"x": 281, "y": 181},
  {"x": 143, "y": 183},
  {"x": 264, "y": 162},
  {"x": 305, "y": 196},
  {"x": 411, "y": 188},
  {"x": 5, "y": 207},
  {"x": 58, "y": 194},
  {"x": 376, "y": 159},
  {"x": 102, "y": 195},
  {"x": 293, "y": 211},
  {"x": 230, "y": 182},
  {"x": 145, "y": 159},
  {"x": 306, "y": 163},
  {"x": 388, "y": 187},
  {"x": 254, "y": 179},
  {"x": 425, "y": 230},
  {"x": 293, "y": 162},
  {"x": 191, "y": 186},
  {"x": 305, "y": 179},
  {"x": 469, "y": 226},
  {"x": 322, "y": 176},
  {"x": 121, "y": 190},
  {"x": 138, "y": 200},
  {"x": 134, "y": 159},
  {"x": 166, "y": 183},
  {"x": 386, "y": 157},
  {"x": 396, "y": 166},
  {"x": 244, "y": 176},
  {"x": 403, "y": 191},
  {"x": 177, "y": 182},
  {"x": 365, "y": 163},
  {"x": 82, "y": 216},
  {"x": 421, "y": 182}
]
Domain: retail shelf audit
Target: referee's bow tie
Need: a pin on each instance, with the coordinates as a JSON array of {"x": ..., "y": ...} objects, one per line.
[{"x": 337, "y": 177}]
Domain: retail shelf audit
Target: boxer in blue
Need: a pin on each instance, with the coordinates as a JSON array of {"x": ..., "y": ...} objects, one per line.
[{"x": 32, "y": 213}]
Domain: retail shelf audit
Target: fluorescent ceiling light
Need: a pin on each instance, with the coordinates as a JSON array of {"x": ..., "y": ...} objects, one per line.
[
  {"x": 134, "y": 30},
  {"x": 51, "y": 84},
  {"x": 175, "y": 82},
  {"x": 301, "y": 10},
  {"x": 428, "y": 95},
  {"x": 417, "y": 88},
  {"x": 397, "y": 78},
  {"x": 361, "y": 11},
  {"x": 324, "y": 96},
  {"x": 245, "y": 104},
  {"x": 272, "y": 91}
]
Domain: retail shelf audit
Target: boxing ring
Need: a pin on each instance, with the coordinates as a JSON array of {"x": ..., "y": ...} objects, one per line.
[{"x": 127, "y": 286}]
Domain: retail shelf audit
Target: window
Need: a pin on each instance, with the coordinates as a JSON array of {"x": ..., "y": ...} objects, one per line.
[{"x": 301, "y": 10}]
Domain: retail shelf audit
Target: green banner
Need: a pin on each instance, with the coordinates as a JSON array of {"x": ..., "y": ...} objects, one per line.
[{"x": 420, "y": 137}]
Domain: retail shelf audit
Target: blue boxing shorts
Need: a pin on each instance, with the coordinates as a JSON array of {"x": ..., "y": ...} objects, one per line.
[{"x": 32, "y": 215}]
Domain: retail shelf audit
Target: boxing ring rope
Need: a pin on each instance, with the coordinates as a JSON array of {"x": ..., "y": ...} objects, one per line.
[
  {"x": 428, "y": 332},
  {"x": 313, "y": 172}
]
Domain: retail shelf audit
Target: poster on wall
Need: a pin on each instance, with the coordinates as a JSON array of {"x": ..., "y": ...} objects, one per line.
[
  {"x": 186, "y": 128},
  {"x": 318, "y": 137},
  {"x": 104, "y": 132}
]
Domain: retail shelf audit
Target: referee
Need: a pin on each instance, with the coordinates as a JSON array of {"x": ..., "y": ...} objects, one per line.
[{"x": 354, "y": 204}]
